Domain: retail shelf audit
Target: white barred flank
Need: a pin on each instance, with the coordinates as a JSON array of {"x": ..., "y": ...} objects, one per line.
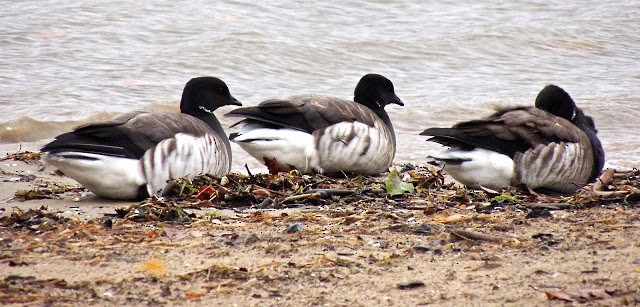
[
  {"x": 562, "y": 166},
  {"x": 183, "y": 155},
  {"x": 354, "y": 147},
  {"x": 346, "y": 146}
]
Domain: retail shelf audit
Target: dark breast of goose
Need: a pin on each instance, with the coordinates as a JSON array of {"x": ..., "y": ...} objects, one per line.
[{"x": 184, "y": 155}]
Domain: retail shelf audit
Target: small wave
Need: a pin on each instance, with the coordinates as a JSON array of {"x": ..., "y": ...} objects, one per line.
[{"x": 27, "y": 129}]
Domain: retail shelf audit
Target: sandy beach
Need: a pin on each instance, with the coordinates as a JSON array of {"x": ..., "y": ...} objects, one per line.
[{"x": 439, "y": 247}]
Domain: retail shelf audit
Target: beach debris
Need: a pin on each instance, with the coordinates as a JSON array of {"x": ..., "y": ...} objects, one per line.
[
  {"x": 395, "y": 185},
  {"x": 343, "y": 228},
  {"x": 412, "y": 284},
  {"x": 611, "y": 186},
  {"x": 475, "y": 236},
  {"x": 40, "y": 219},
  {"x": 579, "y": 295},
  {"x": 25, "y": 156},
  {"x": 155, "y": 210},
  {"x": 293, "y": 228},
  {"x": 539, "y": 213},
  {"x": 48, "y": 190},
  {"x": 153, "y": 267},
  {"x": 292, "y": 189}
]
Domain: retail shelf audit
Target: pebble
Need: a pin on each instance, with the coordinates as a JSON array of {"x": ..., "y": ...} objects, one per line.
[
  {"x": 435, "y": 246},
  {"x": 535, "y": 213},
  {"x": 422, "y": 248},
  {"x": 253, "y": 238},
  {"x": 293, "y": 228},
  {"x": 410, "y": 284},
  {"x": 423, "y": 228}
]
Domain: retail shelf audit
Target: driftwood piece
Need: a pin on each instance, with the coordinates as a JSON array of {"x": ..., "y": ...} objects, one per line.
[{"x": 476, "y": 236}]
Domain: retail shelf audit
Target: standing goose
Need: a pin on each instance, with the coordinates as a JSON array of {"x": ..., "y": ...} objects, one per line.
[
  {"x": 313, "y": 133},
  {"x": 133, "y": 155},
  {"x": 523, "y": 145}
]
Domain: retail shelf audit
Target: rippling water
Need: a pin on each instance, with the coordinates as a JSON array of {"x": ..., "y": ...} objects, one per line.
[{"x": 67, "y": 62}]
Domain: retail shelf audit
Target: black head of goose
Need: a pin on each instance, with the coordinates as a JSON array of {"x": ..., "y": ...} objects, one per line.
[
  {"x": 521, "y": 145},
  {"x": 557, "y": 101},
  {"x": 134, "y": 154},
  {"x": 313, "y": 133}
]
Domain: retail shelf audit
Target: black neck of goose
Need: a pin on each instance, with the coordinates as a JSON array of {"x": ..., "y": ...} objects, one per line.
[
  {"x": 387, "y": 121},
  {"x": 586, "y": 124},
  {"x": 211, "y": 120}
]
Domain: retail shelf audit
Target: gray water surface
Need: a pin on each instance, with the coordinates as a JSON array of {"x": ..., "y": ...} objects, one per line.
[{"x": 66, "y": 61}]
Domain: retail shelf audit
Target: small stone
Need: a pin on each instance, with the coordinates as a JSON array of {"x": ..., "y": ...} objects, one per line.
[
  {"x": 253, "y": 238},
  {"x": 545, "y": 248},
  {"x": 108, "y": 223},
  {"x": 422, "y": 248},
  {"x": 297, "y": 227},
  {"x": 410, "y": 284},
  {"x": 536, "y": 213},
  {"x": 423, "y": 228}
]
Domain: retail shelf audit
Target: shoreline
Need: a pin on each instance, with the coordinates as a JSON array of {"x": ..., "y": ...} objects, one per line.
[{"x": 442, "y": 245}]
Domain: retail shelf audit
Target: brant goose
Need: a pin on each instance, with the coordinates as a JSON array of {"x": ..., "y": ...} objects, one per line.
[
  {"x": 313, "y": 133},
  {"x": 133, "y": 155},
  {"x": 556, "y": 101},
  {"x": 552, "y": 147}
]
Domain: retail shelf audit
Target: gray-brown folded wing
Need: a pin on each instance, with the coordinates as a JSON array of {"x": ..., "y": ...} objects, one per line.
[{"x": 307, "y": 112}]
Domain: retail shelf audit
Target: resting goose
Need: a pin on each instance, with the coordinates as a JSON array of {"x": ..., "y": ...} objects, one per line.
[
  {"x": 313, "y": 133},
  {"x": 523, "y": 145},
  {"x": 556, "y": 101},
  {"x": 133, "y": 155}
]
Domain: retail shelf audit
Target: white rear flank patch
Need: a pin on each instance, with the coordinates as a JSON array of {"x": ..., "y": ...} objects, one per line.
[
  {"x": 346, "y": 146},
  {"x": 288, "y": 146},
  {"x": 479, "y": 167},
  {"x": 106, "y": 176},
  {"x": 120, "y": 178}
]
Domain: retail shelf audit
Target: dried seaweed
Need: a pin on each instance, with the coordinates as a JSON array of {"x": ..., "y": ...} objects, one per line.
[
  {"x": 155, "y": 210},
  {"x": 25, "y": 156},
  {"x": 48, "y": 190},
  {"x": 35, "y": 219},
  {"x": 287, "y": 189}
]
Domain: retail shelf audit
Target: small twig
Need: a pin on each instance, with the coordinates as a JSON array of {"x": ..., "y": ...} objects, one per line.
[
  {"x": 416, "y": 207},
  {"x": 248, "y": 171},
  {"x": 549, "y": 206},
  {"x": 603, "y": 180},
  {"x": 303, "y": 196},
  {"x": 265, "y": 203},
  {"x": 611, "y": 194},
  {"x": 339, "y": 192},
  {"x": 475, "y": 236},
  {"x": 596, "y": 221}
]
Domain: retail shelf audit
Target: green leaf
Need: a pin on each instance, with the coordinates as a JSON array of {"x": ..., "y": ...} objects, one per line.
[
  {"x": 505, "y": 198},
  {"x": 395, "y": 185}
]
